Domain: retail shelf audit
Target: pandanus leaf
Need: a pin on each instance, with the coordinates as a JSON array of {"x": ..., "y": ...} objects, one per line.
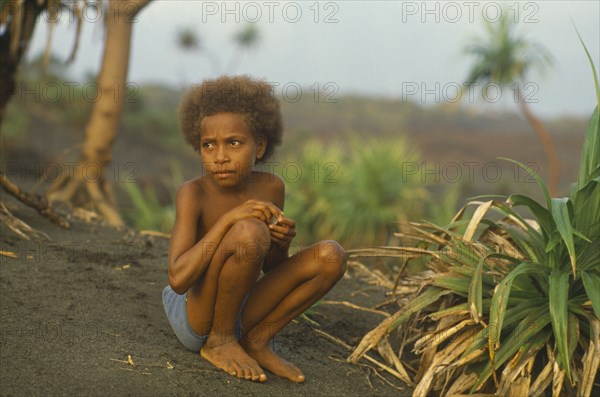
[
  {"x": 537, "y": 178},
  {"x": 559, "y": 298},
  {"x": 500, "y": 301},
  {"x": 590, "y": 157},
  {"x": 529, "y": 327},
  {"x": 591, "y": 282},
  {"x": 475, "y": 292}
]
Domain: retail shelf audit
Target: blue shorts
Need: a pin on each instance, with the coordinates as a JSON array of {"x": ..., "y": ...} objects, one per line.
[{"x": 176, "y": 309}]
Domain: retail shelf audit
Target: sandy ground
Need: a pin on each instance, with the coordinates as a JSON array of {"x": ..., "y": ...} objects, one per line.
[{"x": 74, "y": 308}]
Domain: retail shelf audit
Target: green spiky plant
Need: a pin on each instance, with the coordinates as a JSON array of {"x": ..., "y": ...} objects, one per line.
[
  {"x": 353, "y": 195},
  {"x": 511, "y": 305}
]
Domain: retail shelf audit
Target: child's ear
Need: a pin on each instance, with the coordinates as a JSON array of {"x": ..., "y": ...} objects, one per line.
[{"x": 261, "y": 147}]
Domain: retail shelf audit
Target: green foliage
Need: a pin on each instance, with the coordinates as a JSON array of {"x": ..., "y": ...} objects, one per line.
[
  {"x": 443, "y": 204},
  {"x": 147, "y": 212},
  {"x": 512, "y": 299},
  {"x": 356, "y": 196},
  {"x": 590, "y": 158},
  {"x": 308, "y": 192},
  {"x": 16, "y": 123},
  {"x": 153, "y": 125}
]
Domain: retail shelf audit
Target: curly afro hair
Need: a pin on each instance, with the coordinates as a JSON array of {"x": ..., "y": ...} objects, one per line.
[{"x": 254, "y": 99}]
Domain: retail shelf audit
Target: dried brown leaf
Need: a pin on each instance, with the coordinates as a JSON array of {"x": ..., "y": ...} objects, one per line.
[
  {"x": 591, "y": 359},
  {"x": 438, "y": 337},
  {"x": 9, "y": 254},
  {"x": 385, "y": 350},
  {"x": 557, "y": 380},
  {"x": 542, "y": 381},
  {"x": 463, "y": 382},
  {"x": 520, "y": 386},
  {"x": 480, "y": 212},
  {"x": 371, "y": 339},
  {"x": 441, "y": 362}
]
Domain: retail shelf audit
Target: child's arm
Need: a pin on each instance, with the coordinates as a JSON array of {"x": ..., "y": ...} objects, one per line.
[
  {"x": 188, "y": 257},
  {"x": 282, "y": 232}
]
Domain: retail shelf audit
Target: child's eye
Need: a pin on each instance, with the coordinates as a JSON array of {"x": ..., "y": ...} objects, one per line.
[
  {"x": 207, "y": 145},
  {"x": 234, "y": 142}
]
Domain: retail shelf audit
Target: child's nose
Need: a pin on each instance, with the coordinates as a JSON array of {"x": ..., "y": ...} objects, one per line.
[{"x": 222, "y": 155}]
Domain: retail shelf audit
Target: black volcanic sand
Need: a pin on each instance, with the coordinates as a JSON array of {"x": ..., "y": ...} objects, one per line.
[{"x": 75, "y": 307}]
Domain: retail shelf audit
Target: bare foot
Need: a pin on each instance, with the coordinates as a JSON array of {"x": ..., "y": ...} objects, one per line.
[
  {"x": 225, "y": 353},
  {"x": 272, "y": 362}
]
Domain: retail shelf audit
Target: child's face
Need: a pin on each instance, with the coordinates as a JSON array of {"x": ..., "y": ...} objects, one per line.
[{"x": 228, "y": 148}]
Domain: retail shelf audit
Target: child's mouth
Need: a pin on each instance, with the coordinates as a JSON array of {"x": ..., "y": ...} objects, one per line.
[{"x": 224, "y": 174}]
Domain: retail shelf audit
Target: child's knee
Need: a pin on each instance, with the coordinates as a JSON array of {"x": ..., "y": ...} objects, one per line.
[
  {"x": 331, "y": 259},
  {"x": 250, "y": 234}
]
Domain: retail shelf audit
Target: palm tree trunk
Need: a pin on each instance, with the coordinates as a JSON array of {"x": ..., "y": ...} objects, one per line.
[
  {"x": 546, "y": 140},
  {"x": 79, "y": 188}
]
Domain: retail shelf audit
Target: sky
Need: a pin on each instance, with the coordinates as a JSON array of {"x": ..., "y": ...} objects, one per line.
[{"x": 409, "y": 50}]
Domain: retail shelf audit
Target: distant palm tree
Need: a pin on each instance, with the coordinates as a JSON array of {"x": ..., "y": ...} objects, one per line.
[
  {"x": 189, "y": 41},
  {"x": 244, "y": 39},
  {"x": 503, "y": 57}
]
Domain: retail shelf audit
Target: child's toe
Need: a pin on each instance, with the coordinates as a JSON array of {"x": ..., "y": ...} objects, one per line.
[
  {"x": 246, "y": 374},
  {"x": 235, "y": 370}
]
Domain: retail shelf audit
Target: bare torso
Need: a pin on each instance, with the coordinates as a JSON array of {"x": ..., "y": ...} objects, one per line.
[{"x": 214, "y": 203}]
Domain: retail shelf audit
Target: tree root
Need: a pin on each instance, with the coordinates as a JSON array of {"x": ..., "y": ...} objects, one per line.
[
  {"x": 35, "y": 201},
  {"x": 91, "y": 193}
]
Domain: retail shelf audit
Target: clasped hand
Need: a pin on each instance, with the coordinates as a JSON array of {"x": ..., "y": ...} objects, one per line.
[{"x": 282, "y": 231}]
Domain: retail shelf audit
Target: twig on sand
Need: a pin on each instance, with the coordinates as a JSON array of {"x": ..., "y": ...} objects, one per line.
[
  {"x": 19, "y": 227},
  {"x": 377, "y": 277},
  {"x": 387, "y": 381},
  {"x": 353, "y": 306},
  {"x": 140, "y": 368},
  {"x": 369, "y": 378},
  {"x": 9, "y": 254},
  {"x": 155, "y": 233},
  {"x": 128, "y": 361},
  {"x": 365, "y": 356},
  {"x": 372, "y": 369}
]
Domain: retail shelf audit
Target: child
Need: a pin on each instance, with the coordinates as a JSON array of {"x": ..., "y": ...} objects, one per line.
[{"x": 229, "y": 226}]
